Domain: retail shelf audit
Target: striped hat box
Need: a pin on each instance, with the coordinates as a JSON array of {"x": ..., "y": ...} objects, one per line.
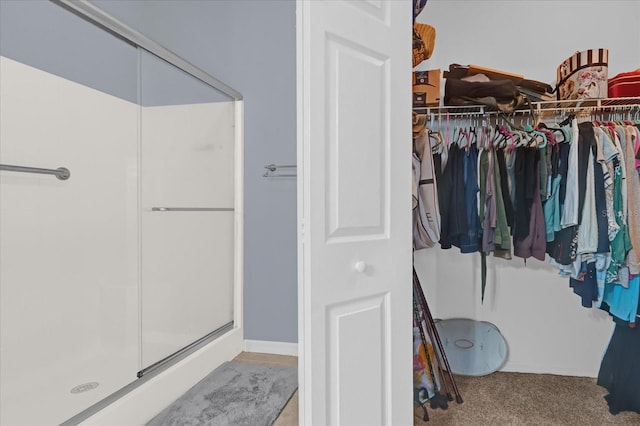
[{"x": 584, "y": 75}]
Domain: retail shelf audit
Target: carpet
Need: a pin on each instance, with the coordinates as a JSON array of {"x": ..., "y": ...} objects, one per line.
[
  {"x": 520, "y": 399},
  {"x": 234, "y": 394}
]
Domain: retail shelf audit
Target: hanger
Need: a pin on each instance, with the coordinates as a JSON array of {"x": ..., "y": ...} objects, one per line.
[
  {"x": 558, "y": 129},
  {"x": 525, "y": 134},
  {"x": 467, "y": 136},
  {"x": 507, "y": 136},
  {"x": 473, "y": 137},
  {"x": 485, "y": 141},
  {"x": 497, "y": 138},
  {"x": 491, "y": 133},
  {"x": 544, "y": 139},
  {"x": 534, "y": 141},
  {"x": 567, "y": 120},
  {"x": 436, "y": 141},
  {"x": 549, "y": 134},
  {"x": 470, "y": 134}
]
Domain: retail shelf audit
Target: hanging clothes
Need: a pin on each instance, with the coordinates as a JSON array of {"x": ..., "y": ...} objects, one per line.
[
  {"x": 600, "y": 205},
  {"x": 426, "y": 211},
  {"x": 587, "y": 286},
  {"x": 535, "y": 243},
  {"x": 488, "y": 215},
  {"x": 551, "y": 206},
  {"x": 606, "y": 154},
  {"x": 505, "y": 187},
  {"x": 501, "y": 236},
  {"x": 620, "y": 370},
  {"x": 452, "y": 200},
  {"x": 526, "y": 182},
  {"x": 571, "y": 189},
  {"x": 469, "y": 241},
  {"x": 633, "y": 196},
  {"x": 571, "y": 192},
  {"x": 562, "y": 247},
  {"x": 588, "y": 216},
  {"x": 620, "y": 244},
  {"x": 575, "y": 197}
]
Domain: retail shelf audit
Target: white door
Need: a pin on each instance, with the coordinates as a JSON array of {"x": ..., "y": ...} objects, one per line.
[{"x": 354, "y": 192}]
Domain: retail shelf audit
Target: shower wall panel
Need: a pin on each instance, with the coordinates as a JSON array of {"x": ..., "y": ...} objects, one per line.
[
  {"x": 68, "y": 249},
  {"x": 187, "y": 162}
]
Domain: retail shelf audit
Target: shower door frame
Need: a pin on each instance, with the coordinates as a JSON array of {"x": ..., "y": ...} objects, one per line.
[{"x": 160, "y": 386}]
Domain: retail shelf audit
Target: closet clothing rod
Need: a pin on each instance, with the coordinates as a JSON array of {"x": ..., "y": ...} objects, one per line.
[
  {"x": 61, "y": 173},
  {"x": 628, "y": 104},
  {"x": 456, "y": 114},
  {"x": 192, "y": 209}
]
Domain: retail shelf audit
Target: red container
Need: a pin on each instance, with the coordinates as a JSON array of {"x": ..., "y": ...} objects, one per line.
[{"x": 626, "y": 84}]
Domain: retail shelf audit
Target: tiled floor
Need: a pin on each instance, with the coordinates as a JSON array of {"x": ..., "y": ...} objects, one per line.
[{"x": 289, "y": 415}]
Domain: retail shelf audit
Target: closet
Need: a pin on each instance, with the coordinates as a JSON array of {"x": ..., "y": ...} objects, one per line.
[
  {"x": 558, "y": 183},
  {"x": 531, "y": 304}
]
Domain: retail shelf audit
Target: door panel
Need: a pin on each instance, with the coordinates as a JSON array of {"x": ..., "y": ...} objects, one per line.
[
  {"x": 362, "y": 364},
  {"x": 355, "y": 212},
  {"x": 356, "y": 193}
]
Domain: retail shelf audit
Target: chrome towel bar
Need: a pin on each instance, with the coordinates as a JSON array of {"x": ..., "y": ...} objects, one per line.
[
  {"x": 192, "y": 209},
  {"x": 61, "y": 173},
  {"x": 272, "y": 170}
]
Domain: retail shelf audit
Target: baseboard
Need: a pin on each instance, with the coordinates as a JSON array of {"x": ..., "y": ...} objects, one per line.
[
  {"x": 275, "y": 348},
  {"x": 550, "y": 369}
]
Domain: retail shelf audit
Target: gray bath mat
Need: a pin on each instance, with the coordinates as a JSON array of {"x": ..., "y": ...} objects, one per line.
[{"x": 234, "y": 394}]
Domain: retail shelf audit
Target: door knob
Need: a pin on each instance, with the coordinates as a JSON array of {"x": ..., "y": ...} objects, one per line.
[{"x": 361, "y": 266}]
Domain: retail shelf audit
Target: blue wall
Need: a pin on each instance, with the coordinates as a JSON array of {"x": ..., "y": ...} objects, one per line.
[{"x": 46, "y": 36}]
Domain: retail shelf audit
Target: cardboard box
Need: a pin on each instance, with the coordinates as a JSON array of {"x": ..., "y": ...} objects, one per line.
[{"x": 426, "y": 88}]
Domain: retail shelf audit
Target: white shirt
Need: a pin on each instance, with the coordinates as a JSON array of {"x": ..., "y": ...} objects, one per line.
[{"x": 570, "y": 210}]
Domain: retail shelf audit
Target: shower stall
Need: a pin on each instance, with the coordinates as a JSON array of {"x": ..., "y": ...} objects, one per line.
[{"x": 120, "y": 214}]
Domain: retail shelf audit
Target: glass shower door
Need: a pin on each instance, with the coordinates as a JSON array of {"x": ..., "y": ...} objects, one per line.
[{"x": 187, "y": 209}]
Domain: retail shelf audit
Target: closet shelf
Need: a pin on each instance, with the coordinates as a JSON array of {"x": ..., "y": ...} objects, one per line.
[{"x": 629, "y": 104}]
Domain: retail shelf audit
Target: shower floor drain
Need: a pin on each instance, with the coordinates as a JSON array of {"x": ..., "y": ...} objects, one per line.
[{"x": 85, "y": 387}]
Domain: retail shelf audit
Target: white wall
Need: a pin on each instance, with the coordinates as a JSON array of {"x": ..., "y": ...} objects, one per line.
[
  {"x": 543, "y": 322},
  {"x": 532, "y": 37}
]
